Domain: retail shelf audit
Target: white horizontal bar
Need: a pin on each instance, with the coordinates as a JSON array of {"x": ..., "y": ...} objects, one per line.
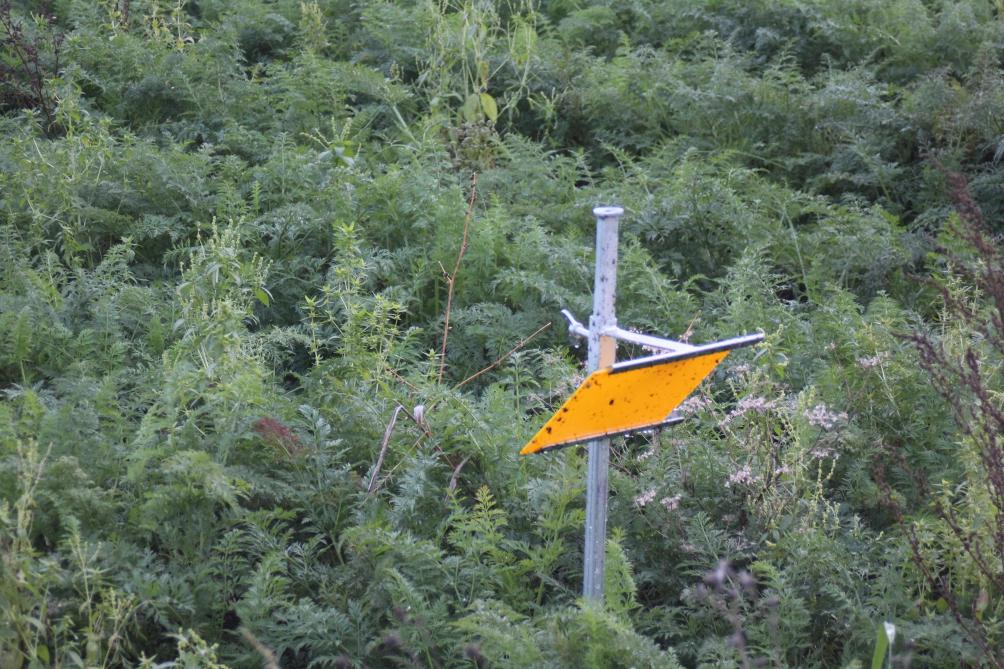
[
  {"x": 647, "y": 340},
  {"x": 575, "y": 327},
  {"x": 578, "y": 329},
  {"x": 694, "y": 351}
]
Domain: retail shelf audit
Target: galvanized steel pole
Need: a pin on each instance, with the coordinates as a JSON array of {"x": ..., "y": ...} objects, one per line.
[{"x": 602, "y": 353}]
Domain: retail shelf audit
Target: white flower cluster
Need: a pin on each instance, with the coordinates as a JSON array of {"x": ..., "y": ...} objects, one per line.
[
  {"x": 645, "y": 455},
  {"x": 823, "y": 452},
  {"x": 671, "y": 503},
  {"x": 644, "y": 498},
  {"x": 820, "y": 416},
  {"x": 868, "y": 362},
  {"x": 741, "y": 477},
  {"x": 694, "y": 404},
  {"x": 750, "y": 404}
]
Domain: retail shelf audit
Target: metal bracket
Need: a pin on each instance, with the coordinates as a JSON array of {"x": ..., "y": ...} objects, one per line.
[{"x": 577, "y": 329}]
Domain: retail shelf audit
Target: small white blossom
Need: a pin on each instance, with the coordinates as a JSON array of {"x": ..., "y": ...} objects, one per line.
[
  {"x": 671, "y": 503},
  {"x": 750, "y": 404},
  {"x": 645, "y": 455},
  {"x": 820, "y": 416},
  {"x": 644, "y": 498},
  {"x": 823, "y": 452},
  {"x": 740, "y": 477},
  {"x": 694, "y": 404},
  {"x": 868, "y": 362}
]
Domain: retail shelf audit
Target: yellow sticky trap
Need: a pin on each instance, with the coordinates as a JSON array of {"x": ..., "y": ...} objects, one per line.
[{"x": 631, "y": 395}]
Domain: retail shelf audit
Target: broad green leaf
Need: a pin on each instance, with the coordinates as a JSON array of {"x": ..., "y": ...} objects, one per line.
[
  {"x": 881, "y": 645},
  {"x": 490, "y": 108},
  {"x": 471, "y": 109},
  {"x": 886, "y": 635}
]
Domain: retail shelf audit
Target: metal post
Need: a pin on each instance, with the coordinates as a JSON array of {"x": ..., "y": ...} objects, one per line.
[{"x": 602, "y": 353}]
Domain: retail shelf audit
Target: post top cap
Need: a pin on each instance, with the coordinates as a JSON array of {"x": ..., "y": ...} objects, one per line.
[{"x": 607, "y": 212}]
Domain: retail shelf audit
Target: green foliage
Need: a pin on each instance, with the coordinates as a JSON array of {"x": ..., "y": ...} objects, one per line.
[{"x": 232, "y": 235}]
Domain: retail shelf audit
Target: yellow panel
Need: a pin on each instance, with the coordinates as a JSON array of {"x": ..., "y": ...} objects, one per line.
[{"x": 625, "y": 398}]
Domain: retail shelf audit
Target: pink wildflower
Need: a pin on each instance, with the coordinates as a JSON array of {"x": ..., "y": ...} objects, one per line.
[
  {"x": 644, "y": 498},
  {"x": 671, "y": 503},
  {"x": 694, "y": 404},
  {"x": 820, "y": 416},
  {"x": 750, "y": 404},
  {"x": 741, "y": 477}
]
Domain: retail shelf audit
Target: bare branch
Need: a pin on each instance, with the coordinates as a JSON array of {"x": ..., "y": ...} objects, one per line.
[
  {"x": 522, "y": 342},
  {"x": 270, "y": 661},
  {"x": 383, "y": 450},
  {"x": 455, "y": 478},
  {"x": 451, "y": 279}
]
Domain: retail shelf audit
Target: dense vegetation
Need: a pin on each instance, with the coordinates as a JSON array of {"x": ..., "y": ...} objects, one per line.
[{"x": 233, "y": 430}]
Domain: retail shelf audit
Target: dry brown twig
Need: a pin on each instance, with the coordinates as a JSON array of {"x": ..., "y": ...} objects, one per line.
[
  {"x": 963, "y": 382},
  {"x": 383, "y": 450},
  {"x": 270, "y": 661},
  {"x": 522, "y": 342},
  {"x": 451, "y": 279},
  {"x": 455, "y": 478},
  {"x": 417, "y": 418}
]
